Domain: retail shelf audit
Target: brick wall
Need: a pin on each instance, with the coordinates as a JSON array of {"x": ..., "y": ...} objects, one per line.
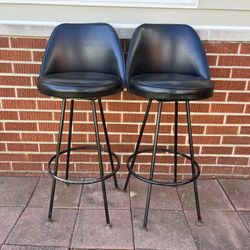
[{"x": 29, "y": 121}]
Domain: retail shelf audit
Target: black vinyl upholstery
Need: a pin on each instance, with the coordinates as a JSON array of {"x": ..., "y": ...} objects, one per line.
[
  {"x": 167, "y": 62},
  {"x": 82, "y": 61}
]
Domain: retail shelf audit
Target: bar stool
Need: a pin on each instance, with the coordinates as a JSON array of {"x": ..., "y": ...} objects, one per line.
[
  {"x": 82, "y": 61},
  {"x": 167, "y": 63}
]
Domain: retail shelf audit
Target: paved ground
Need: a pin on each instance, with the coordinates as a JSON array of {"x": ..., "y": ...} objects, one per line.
[{"x": 79, "y": 222}]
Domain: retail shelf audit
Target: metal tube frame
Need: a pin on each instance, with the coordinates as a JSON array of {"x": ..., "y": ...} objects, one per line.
[
  {"x": 98, "y": 147},
  {"x": 138, "y": 143},
  {"x": 107, "y": 141},
  {"x": 151, "y": 175},
  {"x": 194, "y": 165},
  {"x": 58, "y": 147},
  {"x": 191, "y": 149},
  {"x": 69, "y": 138}
]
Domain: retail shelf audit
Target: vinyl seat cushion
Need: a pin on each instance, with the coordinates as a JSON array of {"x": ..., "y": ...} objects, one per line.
[
  {"x": 79, "y": 84},
  {"x": 171, "y": 87}
]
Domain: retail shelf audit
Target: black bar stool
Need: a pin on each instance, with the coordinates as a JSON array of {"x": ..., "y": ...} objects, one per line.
[
  {"x": 82, "y": 61},
  {"x": 167, "y": 62}
]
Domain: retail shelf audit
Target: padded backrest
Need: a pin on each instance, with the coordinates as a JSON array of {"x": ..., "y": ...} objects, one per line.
[
  {"x": 166, "y": 48},
  {"x": 83, "y": 48}
]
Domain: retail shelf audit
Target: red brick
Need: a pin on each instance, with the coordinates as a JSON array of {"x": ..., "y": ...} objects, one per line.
[
  {"x": 245, "y": 48},
  {"x": 29, "y": 115},
  {"x": 239, "y": 97},
  {"x": 234, "y": 60},
  {"x": 37, "y": 137},
  {"x": 48, "y": 126},
  {"x": 4, "y": 42},
  {"x": 8, "y": 115},
  {"x": 166, "y": 139},
  {"x": 13, "y": 157},
  {"x": 26, "y": 68},
  {"x": 247, "y": 111},
  {"x": 242, "y": 150},
  {"x": 19, "y": 104},
  {"x": 166, "y": 129},
  {"x": 20, "y": 126},
  {"x": 227, "y": 108},
  {"x": 238, "y": 119},
  {"x": 206, "y": 159},
  {"x": 195, "y": 129},
  {"x": 2, "y": 147},
  {"x": 240, "y": 140},
  {"x": 122, "y": 128},
  {"x": 241, "y": 170},
  {"x": 222, "y": 130},
  {"x": 38, "y": 157},
  {"x": 10, "y": 136},
  {"x": 1, "y": 126},
  {"x": 5, "y": 68},
  {"x": 217, "y": 170},
  {"x": 22, "y": 147},
  {"x": 29, "y": 93},
  {"x": 232, "y": 160},
  {"x": 241, "y": 73},
  {"x": 49, "y": 105},
  {"x": 217, "y": 97},
  {"x": 38, "y": 55},
  {"x": 221, "y": 47},
  {"x": 109, "y": 117},
  {"x": 133, "y": 138},
  {"x": 5, "y": 166},
  {"x": 220, "y": 72},
  {"x": 32, "y": 43},
  {"x": 217, "y": 150},
  {"x": 137, "y": 118},
  {"x": 15, "y": 55},
  {"x": 212, "y": 60},
  {"x": 112, "y": 138},
  {"x": 130, "y": 96},
  {"x": 26, "y": 166},
  {"x": 7, "y": 92},
  {"x": 15, "y": 80},
  {"x": 206, "y": 140},
  {"x": 207, "y": 119},
  {"x": 245, "y": 130},
  {"x": 230, "y": 85},
  {"x": 124, "y": 106}
]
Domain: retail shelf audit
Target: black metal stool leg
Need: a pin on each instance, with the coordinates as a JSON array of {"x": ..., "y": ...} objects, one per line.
[
  {"x": 193, "y": 162},
  {"x": 57, "y": 158},
  {"x": 152, "y": 163},
  {"x": 100, "y": 161},
  {"x": 138, "y": 143},
  {"x": 107, "y": 140},
  {"x": 69, "y": 138},
  {"x": 175, "y": 141}
]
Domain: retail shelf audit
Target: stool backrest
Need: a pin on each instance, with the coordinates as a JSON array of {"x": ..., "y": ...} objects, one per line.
[
  {"x": 166, "y": 48},
  {"x": 84, "y": 48}
]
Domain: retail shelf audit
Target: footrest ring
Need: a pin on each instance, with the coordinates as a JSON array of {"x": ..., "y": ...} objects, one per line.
[
  {"x": 83, "y": 181},
  {"x": 162, "y": 183}
]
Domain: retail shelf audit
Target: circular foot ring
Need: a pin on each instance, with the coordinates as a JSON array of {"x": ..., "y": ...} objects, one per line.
[
  {"x": 132, "y": 158},
  {"x": 83, "y": 181}
]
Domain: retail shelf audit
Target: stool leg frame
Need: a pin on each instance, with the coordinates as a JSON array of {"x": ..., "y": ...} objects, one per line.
[
  {"x": 69, "y": 138},
  {"x": 152, "y": 164},
  {"x": 138, "y": 142},
  {"x": 175, "y": 141},
  {"x": 191, "y": 148},
  {"x": 59, "y": 141},
  {"x": 107, "y": 140},
  {"x": 100, "y": 161}
]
